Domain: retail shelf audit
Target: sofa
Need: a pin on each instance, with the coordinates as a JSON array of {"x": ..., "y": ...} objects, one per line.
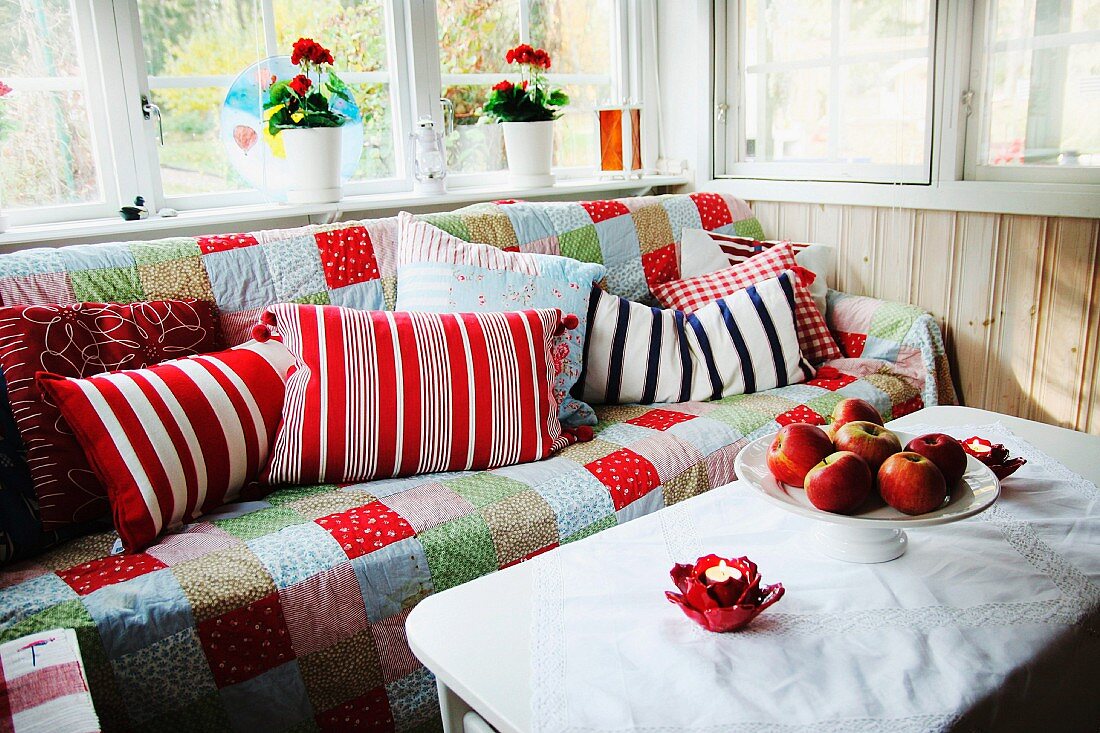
[{"x": 255, "y": 615}]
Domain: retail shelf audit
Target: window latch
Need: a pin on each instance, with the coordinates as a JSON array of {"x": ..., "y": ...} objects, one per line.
[
  {"x": 148, "y": 110},
  {"x": 968, "y": 102},
  {"x": 723, "y": 112}
]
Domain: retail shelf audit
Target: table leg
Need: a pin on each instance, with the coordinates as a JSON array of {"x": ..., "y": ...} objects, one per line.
[{"x": 451, "y": 707}]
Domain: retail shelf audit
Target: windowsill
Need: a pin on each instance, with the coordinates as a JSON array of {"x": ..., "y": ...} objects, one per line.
[
  {"x": 1035, "y": 199},
  {"x": 199, "y": 221}
]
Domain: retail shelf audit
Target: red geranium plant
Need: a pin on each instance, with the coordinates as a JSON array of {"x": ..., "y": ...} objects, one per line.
[
  {"x": 302, "y": 101},
  {"x": 532, "y": 100}
]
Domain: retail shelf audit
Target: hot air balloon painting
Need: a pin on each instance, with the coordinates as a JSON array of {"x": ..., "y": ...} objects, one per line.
[
  {"x": 245, "y": 137},
  {"x": 260, "y": 158}
]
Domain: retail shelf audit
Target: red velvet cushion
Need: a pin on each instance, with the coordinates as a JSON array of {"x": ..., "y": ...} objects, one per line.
[{"x": 79, "y": 341}]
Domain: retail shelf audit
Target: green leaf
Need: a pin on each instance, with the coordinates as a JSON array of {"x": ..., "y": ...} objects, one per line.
[{"x": 337, "y": 86}]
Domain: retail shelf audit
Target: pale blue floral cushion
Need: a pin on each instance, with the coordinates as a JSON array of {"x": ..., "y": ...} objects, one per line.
[{"x": 440, "y": 273}]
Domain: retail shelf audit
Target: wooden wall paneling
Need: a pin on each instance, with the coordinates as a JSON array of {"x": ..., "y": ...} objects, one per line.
[
  {"x": 1018, "y": 297},
  {"x": 969, "y": 318},
  {"x": 1064, "y": 317},
  {"x": 1018, "y": 286}
]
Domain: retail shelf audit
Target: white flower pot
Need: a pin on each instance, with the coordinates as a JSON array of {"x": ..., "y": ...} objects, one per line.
[
  {"x": 530, "y": 147},
  {"x": 313, "y": 157}
]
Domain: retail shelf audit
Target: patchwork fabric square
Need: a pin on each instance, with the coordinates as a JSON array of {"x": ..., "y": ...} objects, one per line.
[
  {"x": 222, "y": 581},
  {"x": 713, "y": 210},
  {"x": 661, "y": 265},
  {"x": 34, "y": 595},
  {"x": 393, "y": 646},
  {"x": 581, "y": 244},
  {"x": 295, "y": 268},
  {"x": 660, "y": 419},
  {"x": 180, "y": 278},
  {"x": 246, "y": 641},
  {"x": 428, "y": 505},
  {"x": 802, "y": 413},
  {"x": 191, "y": 543},
  {"x": 520, "y": 525},
  {"x": 626, "y": 475},
  {"x": 182, "y": 676},
  {"x": 52, "y": 287},
  {"x": 481, "y": 489},
  {"x": 653, "y": 229},
  {"x": 411, "y": 701},
  {"x": 155, "y": 608},
  {"x": 394, "y": 578},
  {"x": 669, "y": 455},
  {"x": 604, "y": 210},
  {"x": 577, "y": 499},
  {"x": 108, "y": 285},
  {"x": 296, "y": 552},
  {"x": 224, "y": 242},
  {"x": 323, "y": 609},
  {"x": 365, "y": 529},
  {"x": 341, "y": 672},
  {"x": 91, "y": 576},
  {"x": 363, "y": 714},
  {"x": 276, "y": 695},
  {"x": 240, "y": 278},
  {"x": 459, "y": 551},
  {"x": 347, "y": 256}
]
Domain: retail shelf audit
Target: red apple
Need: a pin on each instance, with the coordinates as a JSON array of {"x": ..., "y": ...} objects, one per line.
[
  {"x": 840, "y": 483},
  {"x": 873, "y": 443},
  {"x": 945, "y": 452},
  {"x": 911, "y": 483},
  {"x": 853, "y": 409},
  {"x": 796, "y": 449}
]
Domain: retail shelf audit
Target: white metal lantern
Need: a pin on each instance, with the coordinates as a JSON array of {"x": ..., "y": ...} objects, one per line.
[{"x": 429, "y": 158}]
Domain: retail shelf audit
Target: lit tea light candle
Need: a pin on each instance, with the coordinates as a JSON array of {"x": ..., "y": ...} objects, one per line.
[
  {"x": 977, "y": 445},
  {"x": 721, "y": 572}
]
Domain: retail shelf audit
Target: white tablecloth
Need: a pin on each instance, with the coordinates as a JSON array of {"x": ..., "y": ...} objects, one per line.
[{"x": 990, "y": 622}]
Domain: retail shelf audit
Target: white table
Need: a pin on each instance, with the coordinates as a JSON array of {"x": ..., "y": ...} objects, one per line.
[{"x": 475, "y": 638}]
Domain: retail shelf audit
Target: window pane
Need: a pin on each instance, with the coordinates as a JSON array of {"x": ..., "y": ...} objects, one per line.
[
  {"x": 355, "y": 30},
  {"x": 576, "y": 33},
  {"x": 474, "y": 35},
  {"x": 202, "y": 38},
  {"x": 576, "y": 134},
  {"x": 837, "y": 82},
  {"x": 1042, "y": 84},
  {"x": 47, "y": 155},
  {"x": 476, "y": 145}
]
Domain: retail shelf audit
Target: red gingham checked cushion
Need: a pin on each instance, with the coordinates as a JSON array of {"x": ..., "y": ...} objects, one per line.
[
  {"x": 178, "y": 439},
  {"x": 692, "y": 293},
  {"x": 386, "y": 394}
]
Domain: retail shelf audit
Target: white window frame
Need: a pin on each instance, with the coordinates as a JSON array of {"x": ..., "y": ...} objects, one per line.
[
  {"x": 141, "y": 84},
  {"x": 625, "y": 35},
  {"x": 108, "y": 136},
  {"x": 126, "y": 143},
  {"x": 974, "y": 169},
  {"x": 954, "y": 184},
  {"x": 733, "y": 40}
]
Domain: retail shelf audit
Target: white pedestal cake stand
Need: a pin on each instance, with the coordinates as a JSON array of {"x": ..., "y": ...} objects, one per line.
[{"x": 875, "y": 533}]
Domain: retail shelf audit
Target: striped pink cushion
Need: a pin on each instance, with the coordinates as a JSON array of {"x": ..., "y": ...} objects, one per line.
[
  {"x": 178, "y": 439},
  {"x": 382, "y": 394}
]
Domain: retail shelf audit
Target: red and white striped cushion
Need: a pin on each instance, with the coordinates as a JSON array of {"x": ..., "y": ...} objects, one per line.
[
  {"x": 180, "y": 438},
  {"x": 382, "y": 394},
  {"x": 692, "y": 293}
]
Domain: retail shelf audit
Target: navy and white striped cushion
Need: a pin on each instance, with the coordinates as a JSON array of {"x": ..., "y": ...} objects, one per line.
[{"x": 744, "y": 342}]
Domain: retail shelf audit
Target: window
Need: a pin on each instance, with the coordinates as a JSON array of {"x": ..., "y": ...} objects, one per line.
[
  {"x": 847, "y": 90},
  {"x": 835, "y": 90},
  {"x": 1037, "y": 90},
  {"x": 53, "y": 141},
  {"x": 474, "y": 35},
  {"x": 194, "y": 51},
  {"x": 114, "y": 100}
]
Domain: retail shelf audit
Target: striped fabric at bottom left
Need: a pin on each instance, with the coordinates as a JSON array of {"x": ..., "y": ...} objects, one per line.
[{"x": 180, "y": 438}]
